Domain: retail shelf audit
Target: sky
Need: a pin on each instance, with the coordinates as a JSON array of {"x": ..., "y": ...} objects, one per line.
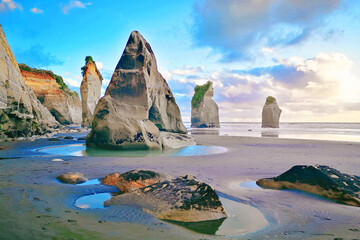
[{"x": 304, "y": 53}]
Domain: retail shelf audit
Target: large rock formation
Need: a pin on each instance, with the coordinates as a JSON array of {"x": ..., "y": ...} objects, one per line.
[
  {"x": 183, "y": 199},
  {"x": 21, "y": 113},
  {"x": 204, "y": 110},
  {"x": 54, "y": 94},
  {"x": 321, "y": 180},
  {"x": 137, "y": 103},
  {"x": 271, "y": 113},
  {"x": 90, "y": 90}
]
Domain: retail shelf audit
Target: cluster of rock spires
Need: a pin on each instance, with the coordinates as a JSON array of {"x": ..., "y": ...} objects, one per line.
[
  {"x": 271, "y": 113},
  {"x": 204, "y": 110},
  {"x": 21, "y": 113},
  {"x": 137, "y": 105}
]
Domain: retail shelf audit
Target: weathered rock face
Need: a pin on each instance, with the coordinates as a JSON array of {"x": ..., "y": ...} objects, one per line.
[
  {"x": 21, "y": 113},
  {"x": 271, "y": 113},
  {"x": 90, "y": 90},
  {"x": 137, "y": 103},
  {"x": 53, "y": 93},
  {"x": 176, "y": 140},
  {"x": 72, "y": 178},
  {"x": 182, "y": 199},
  {"x": 134, "y": 179},
  {"x": 204, "y": 110},
  {"x": 320, "y": 180}
]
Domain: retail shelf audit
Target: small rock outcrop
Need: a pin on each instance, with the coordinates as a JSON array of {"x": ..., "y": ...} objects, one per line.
[
  {"x": 21, "y": 113},
  {"x": 321, "y": 180},
  {"x": 204, "y": 110},
  {"x": 54, "y": 94},
  {"x": 183, "y": 199},
  {"x": 72, "y": 178},
  {"x": 90, "y": 90},
  {"x": 138, "y": 103},
  {"x": 175, "y": 140},
  {"x": 134, "y": 179},
  {"x": 271, "y": 113}
]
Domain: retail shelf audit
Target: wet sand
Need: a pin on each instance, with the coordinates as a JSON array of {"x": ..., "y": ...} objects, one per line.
[{"x": 33, "y": 205}]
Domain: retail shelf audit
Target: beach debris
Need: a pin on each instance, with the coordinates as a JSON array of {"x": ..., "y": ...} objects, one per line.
[
  {"x": 72, "y": 178},
  {"x": 68, "y": 137},
  {"x": 57, "y": 160},
  {"x": 320, "y": 180},
  {"x": 183, "y": 199},
  {"x": 54, "y": 139},
  {"x": 90, "y": 90},
  {"x": 271, "y": 113},
  {"x": 134, "y": 179},
  {"x": 204, "y": 110},
  {"x": 137, "y": 105}
]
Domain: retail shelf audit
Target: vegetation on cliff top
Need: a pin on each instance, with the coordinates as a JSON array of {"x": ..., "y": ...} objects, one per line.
[
  {"x": 200, "y": 91},
  {"x": 59, "y": 79},
  {"x": 270, "y": 100},
  {"x": 84, "y": 68}
]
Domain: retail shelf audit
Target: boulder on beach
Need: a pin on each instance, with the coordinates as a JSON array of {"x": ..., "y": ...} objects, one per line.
[
  {"x": 72, "y": 178},
  {"x": 21, "y": 113},
  {"x": 271, "y": 113},
  {"x": 90, "y": 90},
  {"x": 321, "y": 180},
  {"x": 204, "y": 110},
  {"x": 137, "y": 105},
  {"x": 134, "y": 179},
  {"x": 176, "y": 140},
  {"x": 183, "y": 199}
]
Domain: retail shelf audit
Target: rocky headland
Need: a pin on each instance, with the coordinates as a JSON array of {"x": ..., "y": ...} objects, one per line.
[
  {"x": 54, "y": 94},
  {"x": 271, "y": 113},
  {"x": 21, "y": 113},
  {"x": 204, "y": 110},
  {"x": 90, "y": 90},
  {"x": 137, "y": 105}
]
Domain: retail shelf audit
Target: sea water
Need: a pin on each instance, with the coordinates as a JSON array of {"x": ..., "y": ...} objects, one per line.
[{"x": 312, "y": 131}]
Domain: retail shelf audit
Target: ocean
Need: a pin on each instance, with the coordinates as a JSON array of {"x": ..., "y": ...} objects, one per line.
[{"x": 313, "y": 131}]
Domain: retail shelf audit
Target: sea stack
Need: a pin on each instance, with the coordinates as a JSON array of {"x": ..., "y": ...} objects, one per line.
[
  {"x": 90, "y": 90},
  {"x": 21, "y": 113},
  {"x": 137, "y": 105},
  {"x": 271, "y": 113},
  {"x": 204, "y": 110},
  {"x": 54, "y": 94}
]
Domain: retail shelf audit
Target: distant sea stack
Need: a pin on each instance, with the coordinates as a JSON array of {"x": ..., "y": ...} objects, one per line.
[
  {"x": 54, "y": 94},
  {"x": 21, "y": 113},
  {"x": 138, "y": 103},
  {"x": 271, "y": 113},
  {"x": 90, "y": 90},
  {"x": 204, "y": 110}
]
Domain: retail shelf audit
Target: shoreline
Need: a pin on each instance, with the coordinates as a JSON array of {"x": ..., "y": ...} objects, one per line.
[{"x": 290, "y": 214}]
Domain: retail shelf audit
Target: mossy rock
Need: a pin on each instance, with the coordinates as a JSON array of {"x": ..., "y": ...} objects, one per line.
[
  {"x": 200, "y": 91},
  {"x": 270, "y": 100}
]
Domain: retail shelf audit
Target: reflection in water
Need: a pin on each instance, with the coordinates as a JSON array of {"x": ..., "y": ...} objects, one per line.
[
  {"x": 94, "y": 181},
  {"x": 82, "y": 150},
  {"x": 251, "y": 184},
  {"x": 204, "y": 131},
  {"x": 205, "y": 227},
  {"x": 93, "y": 201},
  {"x": 269, "y": 134}
]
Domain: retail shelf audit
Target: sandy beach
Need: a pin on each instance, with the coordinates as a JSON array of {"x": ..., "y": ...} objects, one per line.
[{"x": 33, "y": 205}]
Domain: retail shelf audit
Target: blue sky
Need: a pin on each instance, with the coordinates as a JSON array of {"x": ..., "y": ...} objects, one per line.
[{"x": 304, "y": 53}]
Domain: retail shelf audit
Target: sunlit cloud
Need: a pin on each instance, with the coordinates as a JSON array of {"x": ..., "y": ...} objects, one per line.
[
  {"x": 36, "y": 10},
  {"x": 72, "y": 83},
  {"x": 9, "y": 4},
  {"x": 74, "y": 4}
]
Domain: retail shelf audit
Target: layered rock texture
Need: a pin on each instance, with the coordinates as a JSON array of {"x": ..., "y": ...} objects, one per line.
[
  {"x": 204, "y": 110},
  {"x": 54, "y": 94},
  {"x": 271, "y": 113},
  {"x": 90, "y": 90},
  {"x": 138, "y": 103},
  {"x": 134, "y": 179},
  {"x": 183, "y": 199},
  {"x": 321, "y": 180},
  {"x": 21, "y": 113},
  {"x": 72, "y": 178}
]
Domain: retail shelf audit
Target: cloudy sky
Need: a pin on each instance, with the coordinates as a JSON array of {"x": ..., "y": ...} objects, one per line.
[{"x": 304, "y": 53}]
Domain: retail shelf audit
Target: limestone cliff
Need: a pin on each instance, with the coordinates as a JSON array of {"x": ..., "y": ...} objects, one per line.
[
  {"x": 90, "y": 90},
  {"x": 271, "y": 113},
  {"x": 21, "y": 113},
  {"x": 54, "y": 94},
  {"x": 137, "y": 103},
  {"x": 204, "y": 110}
]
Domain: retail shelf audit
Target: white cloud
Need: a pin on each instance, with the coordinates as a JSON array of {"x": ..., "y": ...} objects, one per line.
[
  {"x": 72, "y": 83},
  {"x": 36, "y": 10},
  {"x": 9, "y": 4},
  {"x": 99, "y": 65},
  {"x": 74, "y": 4}
]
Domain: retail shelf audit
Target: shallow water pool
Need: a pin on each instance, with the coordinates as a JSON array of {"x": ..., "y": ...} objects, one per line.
[{"x": 82, "y": 150}]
